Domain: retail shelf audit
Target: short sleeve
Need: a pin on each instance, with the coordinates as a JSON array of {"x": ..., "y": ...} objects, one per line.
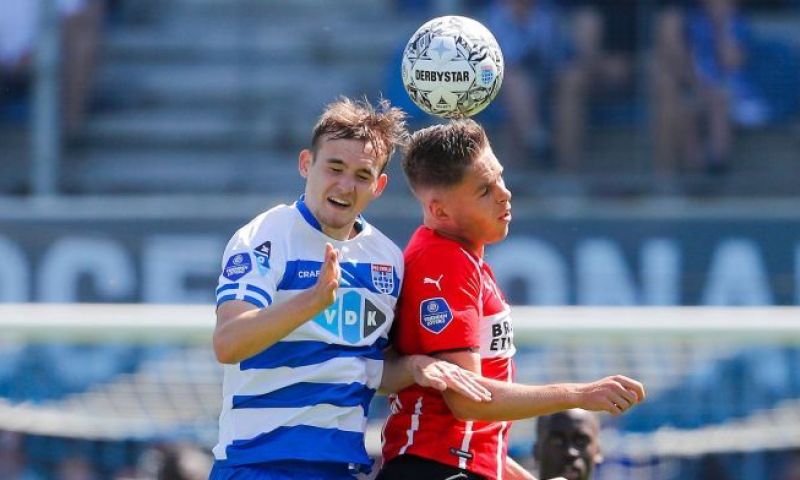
[
  {"x": 249, "y": 270},
  {"x": 441, "y": 300}
]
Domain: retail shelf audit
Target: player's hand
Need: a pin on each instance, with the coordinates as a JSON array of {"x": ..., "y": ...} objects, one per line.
[
  {"x": 614, "y": 394},
  {"x": 328, "y": 280},
  {"x": 441, "y": 375}
]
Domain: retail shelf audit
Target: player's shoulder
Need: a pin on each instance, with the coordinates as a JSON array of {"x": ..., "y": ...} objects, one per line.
[
  {"x": 273, "y": 222},
  {"x": 428, "y": 247},
  {"x": 376, "y": 236}
]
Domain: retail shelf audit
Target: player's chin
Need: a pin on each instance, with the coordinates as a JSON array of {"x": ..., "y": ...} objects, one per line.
[
  {"x": 502, "y": 229},
  {"x": 338, "y": 219},
  {"x": 499, "y": 235}
]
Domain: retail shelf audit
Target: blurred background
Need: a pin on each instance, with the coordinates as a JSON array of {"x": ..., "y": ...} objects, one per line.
[{"x": 652, "y": 146}]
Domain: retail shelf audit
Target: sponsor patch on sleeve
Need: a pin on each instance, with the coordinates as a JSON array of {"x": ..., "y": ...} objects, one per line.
[
  {"x": 262, "y": 254},
  {"x": 435, "y": 314},
  {"x": 237, "y": 266}
]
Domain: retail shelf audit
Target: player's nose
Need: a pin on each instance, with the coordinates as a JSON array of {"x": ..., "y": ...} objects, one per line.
[{"x": 504, "y": 194}]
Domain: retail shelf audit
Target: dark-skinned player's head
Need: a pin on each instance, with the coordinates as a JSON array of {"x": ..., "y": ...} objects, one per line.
[{"x": 567, "y": 445}]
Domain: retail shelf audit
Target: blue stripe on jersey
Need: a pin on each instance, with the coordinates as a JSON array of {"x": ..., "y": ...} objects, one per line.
[
  {"x": 302, "y": 274},
  {"x": 307, "y": 352},
  {"x": 306, "y": 394},
  {"x": 230, "y": 286},
  {"x": 253, "y": 300},
  {"x": 306, "y": 213},
  {"x": 225, "y": 298},
  {"x": 309, "y": 217},
  {"x": 247, "y": 298},
  {"x": 261, "y": 292},
  {"x": 301, "y": 442},
  {"x": 282, "y": 470}
]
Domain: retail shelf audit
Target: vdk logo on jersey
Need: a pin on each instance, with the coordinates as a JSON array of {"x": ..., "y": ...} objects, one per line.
[
  {"x": 237, "y": 266},
  {"x": 351, "y": 317},
  {"x": 383, "y": 277},
  {"x": 262, "y": 254}
]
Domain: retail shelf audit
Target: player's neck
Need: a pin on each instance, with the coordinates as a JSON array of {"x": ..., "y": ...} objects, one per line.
[
  {"x": 472, "y": 247},
  {"x": 340, "y": 234}
]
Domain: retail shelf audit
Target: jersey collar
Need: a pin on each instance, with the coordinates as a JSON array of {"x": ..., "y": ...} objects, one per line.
[{"x": 309, "y": 217}]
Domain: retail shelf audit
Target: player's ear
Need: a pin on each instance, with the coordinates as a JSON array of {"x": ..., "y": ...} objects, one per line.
[
  {"x": 598, "y": 456},
  {"x": 304, "y": 162},
  {"x": 437, "y": 209},
  {"x": 383, "y": 180}
]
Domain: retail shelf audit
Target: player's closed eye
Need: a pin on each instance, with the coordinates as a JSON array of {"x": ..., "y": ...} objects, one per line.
[{"x": 582, "y": 441}]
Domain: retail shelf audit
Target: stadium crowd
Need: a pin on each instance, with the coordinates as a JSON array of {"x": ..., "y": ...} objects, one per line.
[{"x": 693, "y": 71}]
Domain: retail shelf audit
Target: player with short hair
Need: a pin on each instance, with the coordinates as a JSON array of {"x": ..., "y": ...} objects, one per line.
[
  {"x": 452, "y": 308},
  {"x": 567, "y": 445},
  {"x": 305, "y": 301}
]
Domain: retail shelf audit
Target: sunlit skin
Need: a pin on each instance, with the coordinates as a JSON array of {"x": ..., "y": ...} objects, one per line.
[
  {"x": 342, "y": 178},
  {"x": 475, "y": 212}
]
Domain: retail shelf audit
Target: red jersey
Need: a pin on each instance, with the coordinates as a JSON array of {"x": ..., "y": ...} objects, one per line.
[{"x": 449, "y": 302}]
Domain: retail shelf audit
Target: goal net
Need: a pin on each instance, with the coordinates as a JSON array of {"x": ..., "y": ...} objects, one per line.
[{"x": 723, "y": 384}]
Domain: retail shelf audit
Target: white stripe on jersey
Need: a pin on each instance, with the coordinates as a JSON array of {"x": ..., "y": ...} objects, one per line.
[
  {"x": 477, "y": 264},
  {"x": 462, "y": 461},
  {"x": 503, "y": 428},
  {"x": 247, "y": 423},
  {"x": 337, "y": 370},
  {"x": 414, "y": 425}
]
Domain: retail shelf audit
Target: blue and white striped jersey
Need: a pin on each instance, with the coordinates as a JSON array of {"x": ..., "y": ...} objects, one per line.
[{"x": 306, "y": 397}]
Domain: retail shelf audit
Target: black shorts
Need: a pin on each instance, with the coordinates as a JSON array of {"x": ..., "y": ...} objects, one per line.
[{"x": 410, "y": 467}]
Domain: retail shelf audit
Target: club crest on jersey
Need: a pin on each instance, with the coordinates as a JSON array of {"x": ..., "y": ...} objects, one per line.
[
  {"x": 435, "y": 314},
  {"x": 262, "y": 254},
  {"x": 237, "y": 266},
  {"x": 383, "y": 278}
]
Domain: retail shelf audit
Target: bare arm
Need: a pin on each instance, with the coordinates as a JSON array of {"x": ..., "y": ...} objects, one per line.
[
  {"x": 400, "y": 372},
  {"x": 512, "y": 401},
  {"x": 244, "y": 330}
]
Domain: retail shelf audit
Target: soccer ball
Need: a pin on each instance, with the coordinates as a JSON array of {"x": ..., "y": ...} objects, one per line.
[{"x": 452, "y": 67}]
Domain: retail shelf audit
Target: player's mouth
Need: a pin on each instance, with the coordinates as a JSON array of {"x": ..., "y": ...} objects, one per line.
[
  {"x": 506, "y": 216},
  {"x": 572, "y": 472},
  {"x": 339, "y": 203}
]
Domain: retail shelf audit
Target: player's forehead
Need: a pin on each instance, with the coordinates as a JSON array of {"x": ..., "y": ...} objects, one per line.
[
  {"x": 572, "y": 423},
  {"x": 350, "y": 152},
  {"x": 486, "y": 166}
]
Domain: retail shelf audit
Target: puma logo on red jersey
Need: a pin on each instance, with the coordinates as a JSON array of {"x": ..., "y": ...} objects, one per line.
[{"x": 426, "y": 281}]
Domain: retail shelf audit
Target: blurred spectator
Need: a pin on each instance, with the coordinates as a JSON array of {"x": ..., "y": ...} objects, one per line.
[
  {"x": 567, "y": 445},
  {"x": 719, "y": 41},
  {"x": 80, "y": 38},
  {"x": 674, "y": 88},
  {"x": 75, "y": 468},
  {"x": 175, "y": 461},
  {"x": 533, "y": 46},
  {"x": 12, "y": 458},
  {"x": 603, "y": 42}
]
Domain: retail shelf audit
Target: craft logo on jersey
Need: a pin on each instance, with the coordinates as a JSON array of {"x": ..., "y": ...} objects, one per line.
[
  {"x": 435, "y": 314},
  {"x": 237, "y": 266},
  {"x": 383, "y": 277},
  {"x": 351, "y": 318},
  {"x": 262, "y": 254}
]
